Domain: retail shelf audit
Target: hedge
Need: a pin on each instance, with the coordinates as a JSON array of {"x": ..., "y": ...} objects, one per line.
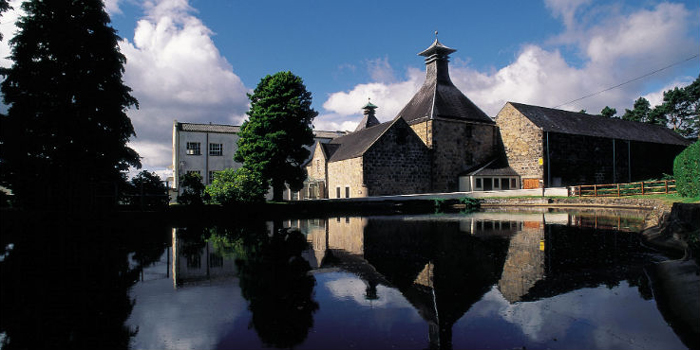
[{"x": 686, "y": 170}]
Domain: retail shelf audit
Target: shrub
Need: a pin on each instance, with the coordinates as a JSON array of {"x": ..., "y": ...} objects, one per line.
[
  {"x": 239, "y": 185},
  {"x": 192, "y": 189},
  {"x": 686, "y": 170}
]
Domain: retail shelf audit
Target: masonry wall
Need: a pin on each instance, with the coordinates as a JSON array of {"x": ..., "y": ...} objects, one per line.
[
  {"x": 522, "y": 142},
  {"x": 397, "y": 163},
  {"x": 346, "y": 173},
  {"x": 458, "y": 146}
]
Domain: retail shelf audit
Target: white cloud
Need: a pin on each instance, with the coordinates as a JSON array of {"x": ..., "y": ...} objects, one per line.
[
  {"x": 8, "y": 29},
  {"x": 614, "y": 49},
  {"x": 112, "y": 6},
  {"x": 176, "y": 72}
]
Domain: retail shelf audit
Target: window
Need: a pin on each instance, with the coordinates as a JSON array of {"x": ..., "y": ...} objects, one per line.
[
  {"x": 347, "y": 192},
  {"x": 193, "y": 148},
  {"x": 505, "y": 184},
  {"x": 496, "y": 183},
  {"x": 337, "y": 192},
  {"x": 514, "y": 183},
  {"x": 216, "y": 149},
  {"x": 318, "y": 166},
  {"x": 211, "y": 176},
  {"x": 478, "y": 183}
]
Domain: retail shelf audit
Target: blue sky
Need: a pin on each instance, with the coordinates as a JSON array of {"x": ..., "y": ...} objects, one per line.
[{"x": 195, "y": 60}]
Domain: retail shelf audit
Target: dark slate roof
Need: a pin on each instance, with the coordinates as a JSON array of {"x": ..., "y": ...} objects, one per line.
[
  {"x": 357, "y": 143},
  {"x": 495, "y": 167},
  {"x": 565, "y": 122},
  {"x": 366, "y": 122},
  {"x": 439, "y": 97}
]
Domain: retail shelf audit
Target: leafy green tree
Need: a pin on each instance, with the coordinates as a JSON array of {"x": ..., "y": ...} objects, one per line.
[
  {"x": 640, "y": 113},
  {"x": 67, "y": 128},
  {"x": 272, "y": 140},
  {"x": 679, "y": 110},
  {"x": 237, "y": 185},
  {"x": 148, "y": 190},
  {"x": 192, "y": 189},
  {"x": 608, "y": 112}
]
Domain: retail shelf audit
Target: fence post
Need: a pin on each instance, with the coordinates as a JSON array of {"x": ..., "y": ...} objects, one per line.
[
  {"x": 595, "y": 190},
  {"x": 666, "y": 185},
  {"x": 618, "y": 190}
]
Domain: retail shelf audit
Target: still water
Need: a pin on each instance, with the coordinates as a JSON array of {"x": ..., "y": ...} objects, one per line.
[{"x": 484, "y": 280}]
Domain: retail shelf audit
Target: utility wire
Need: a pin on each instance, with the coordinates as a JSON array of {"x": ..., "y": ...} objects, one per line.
[{"x": 629, "y": 81}]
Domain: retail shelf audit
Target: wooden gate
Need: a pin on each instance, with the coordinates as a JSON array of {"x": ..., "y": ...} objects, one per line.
[{"x": 531, "y": 183}]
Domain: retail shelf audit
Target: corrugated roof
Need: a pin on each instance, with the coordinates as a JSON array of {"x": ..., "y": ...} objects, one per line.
[
  {"x": 357, "y": 143},
  {"x": 234, "y": 129},
  {"x": 210, "y": 128},
  {"x": 565, "y": 122}
]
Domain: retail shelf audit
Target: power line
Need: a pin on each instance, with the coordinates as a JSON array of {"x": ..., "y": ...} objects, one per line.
[{"x": 629, "y": 81}]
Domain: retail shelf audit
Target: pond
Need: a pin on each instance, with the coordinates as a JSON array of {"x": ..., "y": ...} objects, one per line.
[{"x": 483, "y": 280}]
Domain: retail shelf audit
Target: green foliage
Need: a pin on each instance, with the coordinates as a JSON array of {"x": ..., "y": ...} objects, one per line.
[
  {"x": 680, "y": 110},
  {"x": 66, "y": 126},
  {"x": 192, "y": 189},
  {"x": 148, "y": 191},
  {"x": 239, "y": 185},
  {"x": 608, "y": 112},
  {"x": 640, "y": 113},
  {"x": 272, "y": 140},
  {"x": 686, "y": 170}
]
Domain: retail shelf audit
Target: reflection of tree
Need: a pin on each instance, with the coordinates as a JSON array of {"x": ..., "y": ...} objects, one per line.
[
  {"x": 274, "y": 280},
  {"x": 65, "y": 284}
]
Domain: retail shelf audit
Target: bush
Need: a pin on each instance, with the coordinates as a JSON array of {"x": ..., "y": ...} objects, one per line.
[
  {"x": 686, "y": 170},
  {"x": 239, "y": 185},
  {"x": 192, "y": 189}
]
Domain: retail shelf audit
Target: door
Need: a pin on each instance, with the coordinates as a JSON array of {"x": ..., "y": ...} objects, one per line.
[{"x": 531, "y": 183}]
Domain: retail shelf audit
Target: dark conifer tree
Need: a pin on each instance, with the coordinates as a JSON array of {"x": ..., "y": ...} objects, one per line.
[
  {"x": 272, "y": 140},
  {"x": 67, "y": 128}
]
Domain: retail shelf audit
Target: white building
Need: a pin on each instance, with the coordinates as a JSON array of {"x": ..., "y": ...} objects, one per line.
[{"x": 208, "y": 148}]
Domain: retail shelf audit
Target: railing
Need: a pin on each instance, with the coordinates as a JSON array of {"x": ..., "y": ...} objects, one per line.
[{"x": 625, "y": 189}]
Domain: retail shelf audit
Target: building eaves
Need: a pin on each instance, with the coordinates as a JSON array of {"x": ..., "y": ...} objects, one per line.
[
  {"x": 573, "y": 123},
  {"x": 213, "y": 128}
]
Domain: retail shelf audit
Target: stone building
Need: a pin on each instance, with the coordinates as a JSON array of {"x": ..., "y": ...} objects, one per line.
[
  {"x": 551, "y": 148},
  {"x": 438, "y": 135}
]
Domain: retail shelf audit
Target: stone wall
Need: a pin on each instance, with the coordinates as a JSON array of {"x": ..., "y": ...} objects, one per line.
[
  {"x": 316, "y": 168},
  {"x": 346, "y": 174},
  {"x": 522, "y": 142},
  {"x": 458, "y": 146},
  {"x": 397, "y": 163}
]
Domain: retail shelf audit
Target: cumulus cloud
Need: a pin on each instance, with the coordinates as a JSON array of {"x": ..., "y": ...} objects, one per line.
[
  {"x": 615, "y": 48},
  {"x": 176, "y": 72}
]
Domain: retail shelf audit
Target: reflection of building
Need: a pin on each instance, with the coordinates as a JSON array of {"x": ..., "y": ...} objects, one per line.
[{"x": 196, "y": 261}]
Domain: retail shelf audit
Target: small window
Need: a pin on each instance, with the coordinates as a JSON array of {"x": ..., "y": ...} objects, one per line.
[
  {"x": 514, "y": 183},
  {"x": 347, "y": 192},
  {"x": 478, "y": 183},
  {"x": 496, "y": 183},
  {"x": 505, "y": 184},
  {"x": 216, "y": 149},
  {"x": 337, "y": 192},
  {"x": 193, "y": 148},
  {"x": 211, "y": 176}
]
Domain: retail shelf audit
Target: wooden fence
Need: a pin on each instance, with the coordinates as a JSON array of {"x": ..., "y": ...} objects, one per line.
[{"x": 625, "y": 189}]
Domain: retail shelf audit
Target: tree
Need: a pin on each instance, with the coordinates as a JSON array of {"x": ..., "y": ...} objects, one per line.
[
  {"x": 148, "y": 191},
  {"x": 608, "y": 112},
  {"x": 272, "y": 140},
  {"x": 680, "y": 111},
  {"x": 640, "y": 113},
  {"x": 237, "y": 185},
  {"x": 192, "y": 189},
  {"x": 67, "y": 126}
]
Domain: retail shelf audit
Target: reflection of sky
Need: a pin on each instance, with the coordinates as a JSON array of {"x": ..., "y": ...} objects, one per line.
[
  {"x": 190, "y": 317},
  {"x": 591, "y": 318}
]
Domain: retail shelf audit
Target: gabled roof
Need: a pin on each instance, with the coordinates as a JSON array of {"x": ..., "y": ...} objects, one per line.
[
  {"x": 357, "y": 143},
  {"x": 565, "y": 122}
]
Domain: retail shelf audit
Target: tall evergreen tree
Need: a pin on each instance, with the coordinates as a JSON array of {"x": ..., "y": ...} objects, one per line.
[
  {"x": 67, "y": 126},
  {"x": 680, "y": 110},
  {"x": 272, "y": 140},
  {"x": 640, "y": 113},
  {"x": 608, "y": 112}
]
